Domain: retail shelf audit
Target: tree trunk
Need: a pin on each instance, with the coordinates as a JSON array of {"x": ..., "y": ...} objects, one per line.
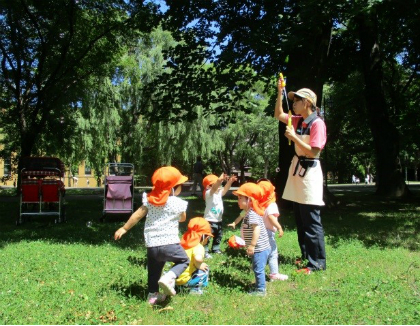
[
  {"x": 27, "y": 144},
  {"x": 286, "y": 153},
  {"x": 242, "y": 168},
  {"x": 389, "y": 180},
  {"x": 266, "y": 166}
]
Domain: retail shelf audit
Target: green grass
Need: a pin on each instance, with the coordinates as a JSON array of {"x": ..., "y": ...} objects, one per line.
[{"x": 73, "y": 274}]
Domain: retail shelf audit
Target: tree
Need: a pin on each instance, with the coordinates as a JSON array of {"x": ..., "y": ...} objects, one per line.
[
  {"x": 385, "y": 57},
  {"x": 48, "y": 52},
  {"x": 314, "y": 42},
  {"x": 267, "y": 36},
  {"x": 350, "y": 144},
  {"x": 389, "y": 179},
  {"x": 158, "y": 128},
  {"x": 252, "y": 139}
]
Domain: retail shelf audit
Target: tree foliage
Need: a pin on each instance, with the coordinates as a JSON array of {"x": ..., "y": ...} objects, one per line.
[
  {"x": 316, "y": 42},
  {"x": 92, "y": 80},
  {"x": 48, "y": 52}
]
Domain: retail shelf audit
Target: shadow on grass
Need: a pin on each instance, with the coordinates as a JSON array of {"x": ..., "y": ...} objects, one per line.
[
  {"x": 136, "y": 290},
  {"x": 287, "y": 260},
  {"x": 231, "y": 281},
  {"x": 374, "y": 221},
  {"x": 138, "y": 261},
  {"x": 363, "y": 216}
]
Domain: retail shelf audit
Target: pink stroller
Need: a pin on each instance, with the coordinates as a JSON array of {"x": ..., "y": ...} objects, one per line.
[{"x": 119, "y": 189}]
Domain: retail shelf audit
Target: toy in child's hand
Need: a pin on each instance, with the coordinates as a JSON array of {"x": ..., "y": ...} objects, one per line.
[{"x": 236, "y": 242}]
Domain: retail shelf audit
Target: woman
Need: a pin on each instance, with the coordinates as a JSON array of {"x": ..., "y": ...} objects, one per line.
[{"x": 304, "y": 186}]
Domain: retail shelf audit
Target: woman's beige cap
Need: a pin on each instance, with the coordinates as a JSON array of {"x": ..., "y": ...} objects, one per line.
[{"x": 304, "y": 93}]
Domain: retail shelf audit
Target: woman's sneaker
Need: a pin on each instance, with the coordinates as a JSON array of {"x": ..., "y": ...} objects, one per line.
[
  {"x": 278, "y": 277},
  {"x": 257, "y": 293},
  {"x": 167, "y": 283},
  {"x": 305, "y": 271},
  {"x": 154, "y": 298}
]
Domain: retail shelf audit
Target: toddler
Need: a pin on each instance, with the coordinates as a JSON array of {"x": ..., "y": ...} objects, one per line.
[
  {"x": 271, "y": 214},
  {"x": 254, "y": 233},
  {"x": 213, "y": 194},
  {"x": 161, "y": 231},
  {"x": 196, "y": 276}
]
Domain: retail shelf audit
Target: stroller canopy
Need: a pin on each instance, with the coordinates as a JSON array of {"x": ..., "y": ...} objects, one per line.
[{"x": 42, "y": 166}]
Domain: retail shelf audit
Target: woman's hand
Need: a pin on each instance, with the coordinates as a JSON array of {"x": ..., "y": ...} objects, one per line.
[
  {"x": 290, "y": 133},
  {"x": 280, "y": 86}
]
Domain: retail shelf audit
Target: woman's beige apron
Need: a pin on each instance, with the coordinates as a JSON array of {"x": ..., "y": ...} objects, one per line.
[{"x": 309, "y": 188}]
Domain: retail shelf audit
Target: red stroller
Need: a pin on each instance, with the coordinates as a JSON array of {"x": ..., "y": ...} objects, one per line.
[
  {"x": 119, "y": 189},
  {"x": 42, "y": 190}
]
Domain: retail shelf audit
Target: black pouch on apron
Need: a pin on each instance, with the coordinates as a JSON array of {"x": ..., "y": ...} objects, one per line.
[{"x": 304, "y": 163}]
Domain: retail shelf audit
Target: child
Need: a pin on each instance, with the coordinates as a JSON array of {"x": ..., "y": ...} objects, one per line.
[
  {"x": 213, "y": 194},
  {"x": 161, "y": 231},
  {"x": 196, "y": 275},
  {"x": 271, "y": 223},
  {"x": 254, "y": 232}
]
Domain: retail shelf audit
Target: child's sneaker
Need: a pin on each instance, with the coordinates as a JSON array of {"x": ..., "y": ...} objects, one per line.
[
  {"x": 278, "y": 277},
  {"x": 196, "y": 291},
  {"x": 207, "y": 255},
  {"x": 154, "y": 298},
  {"x": 167, "y": 283}
]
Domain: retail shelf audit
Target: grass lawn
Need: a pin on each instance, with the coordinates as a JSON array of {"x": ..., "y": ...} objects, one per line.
[{"x": 72, "y": 273}]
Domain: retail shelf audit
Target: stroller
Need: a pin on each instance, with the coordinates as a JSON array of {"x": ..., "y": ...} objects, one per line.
[
  {"x": 118, "y": 189},
  {"x": 42, "y": 190}
]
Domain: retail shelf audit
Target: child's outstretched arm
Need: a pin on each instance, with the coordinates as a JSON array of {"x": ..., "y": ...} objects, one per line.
[
  {"x": 273, "y": 220},
  {"x": 133, "y": 220},
  {"x": 228, "y": 184},
  {"x": 217, "y": 184},
  {"x": 255, "y": 235},
  {"x": 237, "y": 220}
]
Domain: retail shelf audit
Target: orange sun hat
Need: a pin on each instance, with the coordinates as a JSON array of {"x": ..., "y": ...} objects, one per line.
[
  {"x": 255, "y": 193},
  {"x": 163, "y": 180},
  {"x": 208, "y": 181},
  {"x": 269, "y": 196},
  {"x": 197, "y": 226},
  {"x": 236, "y": 242}
]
